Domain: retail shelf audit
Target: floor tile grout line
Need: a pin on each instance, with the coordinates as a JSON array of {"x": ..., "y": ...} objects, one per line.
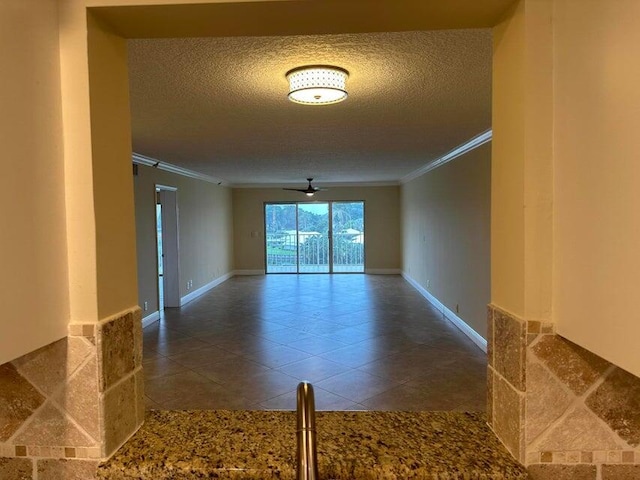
[{"x": 325, "y": 355}]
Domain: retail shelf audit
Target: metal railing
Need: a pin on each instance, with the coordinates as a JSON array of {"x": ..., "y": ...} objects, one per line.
[
  {"x": 307, "y": 464},
  {"x": 312, "y": 249}
]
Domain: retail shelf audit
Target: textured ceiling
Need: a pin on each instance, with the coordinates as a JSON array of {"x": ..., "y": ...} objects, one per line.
[{"x": 219, "y": 105}]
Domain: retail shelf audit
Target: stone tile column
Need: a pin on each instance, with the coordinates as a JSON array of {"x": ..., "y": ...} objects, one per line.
[
  {"x": 561, "y": 410},
  {"x": 72, "y": 403}
]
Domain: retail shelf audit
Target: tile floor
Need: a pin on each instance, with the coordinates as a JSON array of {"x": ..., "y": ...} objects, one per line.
[{"x": 366, "y": 342}]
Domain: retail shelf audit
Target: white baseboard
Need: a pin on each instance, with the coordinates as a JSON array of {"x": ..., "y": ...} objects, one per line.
[
  {"x": 248, "y": 272},
  {"x": 149, "y": 319},
  {"x": 382, "y": 271},
  {"x": 449, "y": 315},
  {"x": 205, "y": 288}
]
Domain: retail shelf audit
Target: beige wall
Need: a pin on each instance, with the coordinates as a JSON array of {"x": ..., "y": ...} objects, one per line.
[
  {"x": 205, "y": 232},
  {"x": 382, "y": 223},
  {"x": 446, "y": 234},
  {"x": 112, "y": 183},
  {"x": 522, "y": 161},
  {"x": 98, "y": 185},
  {"x": 597, "y": 177},
  {"x": 507, "y": 176},
  {"x": 33, "y": 288}
]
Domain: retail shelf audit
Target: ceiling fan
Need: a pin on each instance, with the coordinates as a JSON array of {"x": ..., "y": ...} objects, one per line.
[{"x": 309, "y": 191}]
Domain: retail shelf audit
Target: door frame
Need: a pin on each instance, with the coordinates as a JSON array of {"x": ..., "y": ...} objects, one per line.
[{"x": 167, "y": 196}]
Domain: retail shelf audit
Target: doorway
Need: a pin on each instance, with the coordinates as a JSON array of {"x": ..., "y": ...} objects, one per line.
[
  {"x": 167, "y": 247},
  {"x": 314, "y": 237}
]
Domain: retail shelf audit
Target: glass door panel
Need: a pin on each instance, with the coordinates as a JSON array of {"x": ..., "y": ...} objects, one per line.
[
  {"x": 313, "y": 237},
  {"x": 280, "y": 238},
  {"x": 348, "y": 237}
]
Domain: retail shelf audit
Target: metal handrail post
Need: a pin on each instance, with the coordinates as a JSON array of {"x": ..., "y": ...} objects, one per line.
[{"x": 306, "y": 432}]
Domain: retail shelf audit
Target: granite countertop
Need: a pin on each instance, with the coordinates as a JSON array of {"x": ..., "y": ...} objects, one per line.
[{"x": 358, "y": 445}]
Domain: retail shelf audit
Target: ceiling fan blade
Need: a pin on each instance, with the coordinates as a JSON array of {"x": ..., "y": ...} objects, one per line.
[{"x": 310, "y": 190}]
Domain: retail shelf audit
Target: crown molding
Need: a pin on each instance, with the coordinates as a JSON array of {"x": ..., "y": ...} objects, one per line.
[
  {"x": 321, "y": 184},
  {"x": 472, "y": 144},
  {"x": 168, "y": 167}
]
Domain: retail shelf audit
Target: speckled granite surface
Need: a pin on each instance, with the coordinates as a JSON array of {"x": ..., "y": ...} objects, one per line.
[{"x": 260, "y": 445}]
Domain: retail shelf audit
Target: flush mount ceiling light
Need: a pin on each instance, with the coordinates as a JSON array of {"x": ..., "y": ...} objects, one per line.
[{"x": 317, "y": 84}]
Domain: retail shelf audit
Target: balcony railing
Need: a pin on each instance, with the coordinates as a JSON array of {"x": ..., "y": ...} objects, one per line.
[{"x": 313, "y": 252}]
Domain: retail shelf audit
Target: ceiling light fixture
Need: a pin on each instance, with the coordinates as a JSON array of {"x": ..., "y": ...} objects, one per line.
[{"x": 317, "y": 84}]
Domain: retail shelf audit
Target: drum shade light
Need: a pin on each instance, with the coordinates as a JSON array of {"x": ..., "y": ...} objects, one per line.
[{"x": 317, "y": 84}]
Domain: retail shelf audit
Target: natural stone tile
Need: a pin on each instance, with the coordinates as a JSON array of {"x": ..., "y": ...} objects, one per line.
[
  {"x": 116, "y": 346},
  {"x": 75, "y": 329},
  {"x": 137, "y": 337},
  {"x": 120, "y": 417},
  {"x": 94, "y": 452},
  {"x": 580, "y": 430},
  {"x": 508, "y": 413},
  {"x": 490, "y": 379},
  {"x": 140, "y": 402},
  {"x": 49, "y": 427},
  {"x": 18, "y": 400},
  {"x": 48, "y": 367},
  {"x": 533, "y": 326},
  {"x": 617, "y": 402},
  {"x": 57, "y": 452},
  {"x": 546, "y": 401},
  {"x": 546, "y": 328},
  {"x": 620, "y": 472},
  {"x": 532, "y": 457},
  {"x": 599, "y": 457},
  {"x": 614, "y": 456},
  {"x": 509, "y": 335},
  {"x": 559, "y": 457},
  {"x": 562, "y": 472},
  {"x": 573, "y": 457},
  {"x": 33, "y": 451},
  {"x": 16, "y": 469},
  {"x": 80, "y": 398},
  {"x": 573, "y": 365},
  {"x": 546, "y": 457},
  {"x": 586, "y": 457},
  {"x": 628, "y": 457},
  {"x": 50, "y": 469},
  {"x": 490, "y": 335}
]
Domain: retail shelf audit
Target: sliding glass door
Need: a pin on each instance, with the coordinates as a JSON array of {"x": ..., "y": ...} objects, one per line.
[
  {"x": 348, "y": 236},
  {"x": 318, "y": 237},
  {"x": 281, "y": 228},
  {"x": 313, "y": 238}
]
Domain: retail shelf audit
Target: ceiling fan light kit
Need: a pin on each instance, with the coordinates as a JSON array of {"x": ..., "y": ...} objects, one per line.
[{"x": 317, "y": 84}]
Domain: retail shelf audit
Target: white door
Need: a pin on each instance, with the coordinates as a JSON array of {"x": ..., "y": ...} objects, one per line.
[{"x": 170, "y": 248}]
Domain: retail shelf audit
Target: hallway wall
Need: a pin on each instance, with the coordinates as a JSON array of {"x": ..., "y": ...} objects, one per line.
[
  {"x": 381, "y": 223},
  {"x": 205, "y": 232},
  {"x": 446, "y": 234},
  {"x": 34, "y": 293}
]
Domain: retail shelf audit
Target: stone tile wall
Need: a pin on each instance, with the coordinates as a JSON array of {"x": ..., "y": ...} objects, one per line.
[
  {"x": 561, "y": 410},
  {"x": 72, "y": 403}
]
